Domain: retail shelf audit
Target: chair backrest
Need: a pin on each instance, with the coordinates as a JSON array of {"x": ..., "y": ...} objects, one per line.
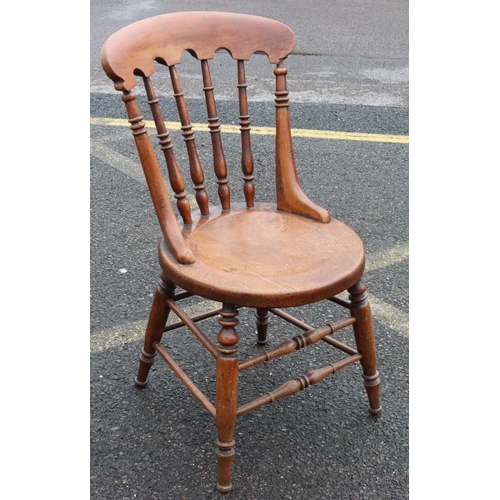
[{"x": 132, "y": 51}]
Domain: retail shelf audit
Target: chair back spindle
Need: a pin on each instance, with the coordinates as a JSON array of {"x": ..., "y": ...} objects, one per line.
[
  {"x": 220, "y": 165},
  {"x": 246, "y": 148},
  {"x": 174, "y": 174},
  {"x": 154, "y": 180},
  {"x": 188, "y": 134}
]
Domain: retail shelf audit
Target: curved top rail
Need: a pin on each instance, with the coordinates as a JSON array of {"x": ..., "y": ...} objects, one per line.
[{"x": 165, "y": 37}]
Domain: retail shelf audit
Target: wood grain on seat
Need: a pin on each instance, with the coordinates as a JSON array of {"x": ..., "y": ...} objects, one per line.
[{"x": 264, "y": 257}]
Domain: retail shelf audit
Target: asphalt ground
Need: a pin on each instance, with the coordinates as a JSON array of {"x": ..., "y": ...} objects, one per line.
[
  {"x": 362, "y": 51},
  {"x": 348, "y": 82},
  {"x": 321, "y": 443}
]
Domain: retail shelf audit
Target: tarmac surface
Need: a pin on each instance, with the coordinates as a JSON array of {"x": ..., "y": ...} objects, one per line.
[{"x": 321, "y": 443}]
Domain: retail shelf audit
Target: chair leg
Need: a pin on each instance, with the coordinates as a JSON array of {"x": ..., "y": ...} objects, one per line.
[
  {"x": 154, "y": 330},
  {"x": 365, "y": 342},
  {"x": 262, "y": 317},
  {"x": 226, "y": 400}
]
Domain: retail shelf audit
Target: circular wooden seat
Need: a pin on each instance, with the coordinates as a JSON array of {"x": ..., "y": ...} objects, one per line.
[{"x": 262, "y": 257}]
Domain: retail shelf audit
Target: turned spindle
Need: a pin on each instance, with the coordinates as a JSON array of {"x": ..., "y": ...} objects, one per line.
[
  {"x": 174, "y": 174},
  {"x": 156, "y": 185},
  {"x": 220, "y": 166},
  {"x": 188, "y": 135},
  {"x": 246, "y": 148}
]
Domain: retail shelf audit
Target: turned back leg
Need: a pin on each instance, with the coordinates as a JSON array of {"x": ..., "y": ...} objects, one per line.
[
  {"x": 154, "y": 330},
  {"x": 262, "y": 320}
]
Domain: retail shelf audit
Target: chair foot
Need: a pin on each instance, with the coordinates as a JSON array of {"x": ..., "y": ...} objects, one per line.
[
  {"x": 145, "y": 362},
  {"x": 225, "y": 455},
  {"x": 141, "y": 385},
  {"x": 224, "y": 489},
  {"x": 372, "y": 386}
]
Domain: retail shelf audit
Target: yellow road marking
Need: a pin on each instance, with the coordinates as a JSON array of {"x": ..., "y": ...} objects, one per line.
[
  {"x": 386, "y": 314},
  {"x": 109, "y": 338},
  {"x": 116, "y": 160},
  {"x": 133, "y": 331},
  {"x": 297, "y": 132},
  {"x": 130, "y": 168},
  {"x": 388, "y": 257},
  {"x": 390, "y": 316}
]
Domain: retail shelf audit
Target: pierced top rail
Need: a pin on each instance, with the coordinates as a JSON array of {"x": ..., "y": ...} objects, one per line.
[{"x": 133, "y": 49}]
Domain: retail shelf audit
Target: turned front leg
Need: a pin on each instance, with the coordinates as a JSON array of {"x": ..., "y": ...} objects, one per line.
[
  {"x": 154, "y": 330},
  {"x": 365, "y": 342},
  {"x": 227, "y": 394}
]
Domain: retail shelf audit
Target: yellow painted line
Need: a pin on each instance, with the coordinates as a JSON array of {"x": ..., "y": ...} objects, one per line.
[
  {"x": 130, "y": 168},
  {"x": 386, "y": 314},
  {"x": 133, "y": 331},
  {"x": 296, "y": 132},
  {"x": 121, "y": 162},
  {"x": 390, "y": 316},
  {"x": 388, "y": 257}
]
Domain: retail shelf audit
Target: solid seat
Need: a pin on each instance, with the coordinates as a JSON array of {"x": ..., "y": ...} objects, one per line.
[
  {"x": 262, "y": 257},
  {"x": 289, "y": 252}
]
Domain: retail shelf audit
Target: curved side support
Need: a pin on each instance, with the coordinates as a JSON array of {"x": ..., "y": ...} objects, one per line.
[
  {"x": 156, "y": 185},
  {"x": 289, "y": 194}
]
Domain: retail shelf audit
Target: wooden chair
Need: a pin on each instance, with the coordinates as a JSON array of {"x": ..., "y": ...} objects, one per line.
[{"x": 265, "y": 256}]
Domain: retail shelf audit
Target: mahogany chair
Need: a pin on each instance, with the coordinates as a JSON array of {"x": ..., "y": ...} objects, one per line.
[{"x": 265, "y": 256}]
